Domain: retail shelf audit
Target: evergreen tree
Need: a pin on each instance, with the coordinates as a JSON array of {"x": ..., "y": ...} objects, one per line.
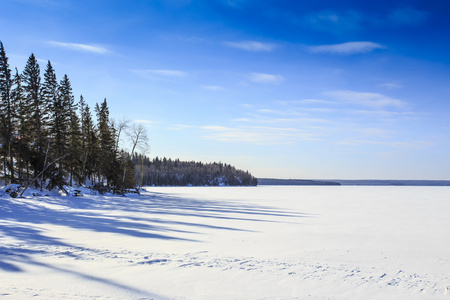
[
  {"x": 58, "y": 128},
  {"x": 89, "y": 142},
  {"x": 109, "y": 166},
  {"x": 6, "y": 113},
  {"x": 17, "y": 100},
  {"x": 33, "y": 102},
  {"x": 66, "y": 115},
  {"x": 49, "y": 93},
  {"x": 74, "y": 161}
]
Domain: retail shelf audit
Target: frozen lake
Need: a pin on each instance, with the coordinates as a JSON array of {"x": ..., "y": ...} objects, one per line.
[{"x": 266, "y": 242}]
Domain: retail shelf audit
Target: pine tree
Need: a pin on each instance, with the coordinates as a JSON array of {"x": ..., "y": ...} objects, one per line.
[
  {"x": 33, "y": 102},
  {"x": 6, "y": 113},
  {"x": 49, "y": 93},
  {"x": 65, "y": 109},
  {"x": 58, "y": 127},
  {"x": 109, "y": 165},
  {"x": 89, "y": 143},
  {"x": 74, "y": 161},
  {"x": 19, "y": 121}
]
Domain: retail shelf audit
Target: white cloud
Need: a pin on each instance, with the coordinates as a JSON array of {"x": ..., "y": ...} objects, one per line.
[
  {"x": 279, "y": 121},
  {"x": 265, "y": 78},
  {"x": 392, "y": 144},
  {"x": 160, "y": 74},
  {"x": 373, "y": 100},
  {"x": 391, "y": 86},
  {"x": 312, "y": 101},
  {"x": 167, "y": 73},
  {"x": 252, "y": 46},
  {"x": 271, "y": 111},
  {"x": 346, "y": 48},
  {"x": 260, "y": 135},
  {"x": 254, "y": 134},
  {"x": 212, "y": 88},
  {"x": 215, "y": 128},
  {"x": 80, "y": 47},
  {"x": 246, "y": 105},
  {"x": 375, "y": 132},
  {"x": 181, "y": 127},
  {"x": 145, "y": 122},
  {"x": 244, "y": 120}
]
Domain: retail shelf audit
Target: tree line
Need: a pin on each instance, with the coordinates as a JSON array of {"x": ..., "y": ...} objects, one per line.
[
  {"x": 50, "y": 140},
  {"x": 168, "y": 172}
]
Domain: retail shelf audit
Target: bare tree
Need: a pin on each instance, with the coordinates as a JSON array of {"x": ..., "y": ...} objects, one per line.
[
  {"x": 138, "y": 137},
  {"x": 120, "y": 126},
  {"x": 139, "y": 140},
  {"x": 142, "y": 156}
]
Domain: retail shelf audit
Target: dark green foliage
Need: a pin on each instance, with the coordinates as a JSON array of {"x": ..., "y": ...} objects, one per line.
[
  {"x": 108, "y": 162},
  {"x": 168, "y": 172},
  {"x": 49, "y": 93},
  {"x": 89, "y": 143},
  {"x": 6, "y": 114},
  {"x": 33, "y": 103}
]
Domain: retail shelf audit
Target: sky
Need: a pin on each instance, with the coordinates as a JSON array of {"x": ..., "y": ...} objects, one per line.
[{"x": 284, "y": 89}]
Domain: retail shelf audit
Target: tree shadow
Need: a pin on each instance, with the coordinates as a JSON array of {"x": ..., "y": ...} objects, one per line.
[
  {"x": 147, "y": 216},
  {"x": 17, "y": 255}
]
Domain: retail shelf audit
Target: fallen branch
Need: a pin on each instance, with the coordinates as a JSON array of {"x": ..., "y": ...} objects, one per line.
[{"x": 42, "y": 172}]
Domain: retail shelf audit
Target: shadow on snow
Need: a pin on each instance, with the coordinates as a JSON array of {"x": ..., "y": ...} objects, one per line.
[{"x": 141, "y": 216}]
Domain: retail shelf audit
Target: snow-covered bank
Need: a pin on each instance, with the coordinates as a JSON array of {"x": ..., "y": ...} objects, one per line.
[{"x": 269, "y": 242}]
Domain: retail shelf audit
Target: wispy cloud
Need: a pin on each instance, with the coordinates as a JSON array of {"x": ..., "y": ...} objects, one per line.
[
  {"x": 212, "y": 88},
  {"x": 181, "y": 127},
  {"x": 346, "y": 21},
  {"x": 260, "y": 135},
  {"x": 167, "y": 73},
  {"x": 334, "y": 22},
  {"x": 391, "y": 144},
  {"x": 280, "y": 121},
  {"x": 265, "y": 78},
  {"x": 373, "y": 100},
  {"x": 145, "y": 122},
  {"x": 374, "y": 132},
  {"x": 233, "y": 3},
  {"x": 251, "y": 133},
  {"x": 252, "y": 46},
  {"x": 347, "y": 48},
  {"x": 407, "y": 16},
  {"x": 307, "y": 101},
  {"x": 80, "y": 47},
  {"x": 160, "y": 73},
  {"x": 43, "y": 3},
  {"x": 390, "y": 85}
]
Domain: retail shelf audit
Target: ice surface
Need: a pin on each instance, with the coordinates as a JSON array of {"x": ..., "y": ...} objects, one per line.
[{"x": 268, "y": 242}]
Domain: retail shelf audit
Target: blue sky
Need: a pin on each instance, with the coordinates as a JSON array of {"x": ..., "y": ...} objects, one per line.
[{"x": 288, "y": 89}]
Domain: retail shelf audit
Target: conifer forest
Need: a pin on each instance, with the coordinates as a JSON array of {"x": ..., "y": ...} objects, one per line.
[{"x": 49, "y": 139}]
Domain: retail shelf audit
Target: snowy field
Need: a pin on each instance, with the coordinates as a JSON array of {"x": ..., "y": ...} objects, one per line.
[{"x": 265, "y": 242}]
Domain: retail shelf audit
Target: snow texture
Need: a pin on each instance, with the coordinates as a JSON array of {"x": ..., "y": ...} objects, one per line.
[{"x": 327, "y": 242}]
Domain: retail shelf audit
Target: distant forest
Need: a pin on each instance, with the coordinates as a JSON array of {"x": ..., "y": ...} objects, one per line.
[{"x": 168, "y": 172}]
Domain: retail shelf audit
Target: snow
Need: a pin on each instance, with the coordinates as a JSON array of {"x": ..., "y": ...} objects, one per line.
[{"x": 266, "y": 242}]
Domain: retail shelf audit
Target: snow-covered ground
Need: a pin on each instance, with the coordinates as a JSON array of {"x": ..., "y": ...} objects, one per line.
[{"x": 268, "y": 242}]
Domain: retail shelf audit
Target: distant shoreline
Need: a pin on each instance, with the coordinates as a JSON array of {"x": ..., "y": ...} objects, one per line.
[
  {"x": 275, "y": 181},
  {"x": 337, "y": 182}
]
